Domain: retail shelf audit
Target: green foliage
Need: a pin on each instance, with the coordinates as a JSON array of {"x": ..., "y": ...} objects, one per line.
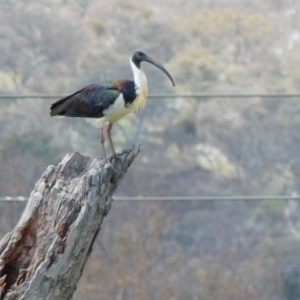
[
  {"x": 147, "y": 13},
  {"x": 198, "y": 68},
  {"x": 38, "y": 144},
  {"x": 98, "y": 26},
  {"x": 216, "y": 25}
]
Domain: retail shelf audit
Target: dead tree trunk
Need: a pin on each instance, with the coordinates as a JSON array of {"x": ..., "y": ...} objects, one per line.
[{"x": 43, "y": 257}]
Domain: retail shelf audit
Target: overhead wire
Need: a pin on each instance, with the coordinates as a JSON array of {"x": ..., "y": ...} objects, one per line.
[{"x": 181, "y": 198}]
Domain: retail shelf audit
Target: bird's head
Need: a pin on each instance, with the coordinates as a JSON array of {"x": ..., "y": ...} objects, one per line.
[{"x": 140, "y": 55}]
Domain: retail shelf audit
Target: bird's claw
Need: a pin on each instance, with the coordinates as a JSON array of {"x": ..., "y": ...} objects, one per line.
[{"x": 117, "y": 157}]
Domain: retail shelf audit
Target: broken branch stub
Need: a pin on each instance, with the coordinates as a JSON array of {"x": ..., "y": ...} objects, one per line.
[{"x": 44, "y": 255}]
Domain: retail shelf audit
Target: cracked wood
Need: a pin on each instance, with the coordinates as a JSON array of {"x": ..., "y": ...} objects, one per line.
[{"x": 44, "y": 255}]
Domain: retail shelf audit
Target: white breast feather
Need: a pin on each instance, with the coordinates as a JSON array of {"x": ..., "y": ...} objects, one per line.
[
  {"x": 118, "y": 110},
  {"x": 112, "y": 114},
  {"x": 141, "y": 85}
]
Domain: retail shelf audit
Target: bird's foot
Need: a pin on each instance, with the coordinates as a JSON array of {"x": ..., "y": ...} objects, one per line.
[
  {"x": 125, "y": 153},
  {"x": 117, "y": 157}
]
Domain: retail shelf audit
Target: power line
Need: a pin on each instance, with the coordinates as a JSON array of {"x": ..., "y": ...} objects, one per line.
[
  {"x": 199, "y": 96},
  {"x": 181, "y": 198}
]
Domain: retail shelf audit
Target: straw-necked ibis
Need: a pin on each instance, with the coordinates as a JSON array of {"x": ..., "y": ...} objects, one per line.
[{"x": 109, "y": 101}]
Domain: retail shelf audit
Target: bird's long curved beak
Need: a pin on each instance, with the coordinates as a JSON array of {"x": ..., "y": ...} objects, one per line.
[{"x": 158, "y": 65}]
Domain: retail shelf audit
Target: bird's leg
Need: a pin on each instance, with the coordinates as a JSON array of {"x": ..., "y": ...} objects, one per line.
[
  {"x": 102, "y": 141},
  {"x": 109, "y": 128}
]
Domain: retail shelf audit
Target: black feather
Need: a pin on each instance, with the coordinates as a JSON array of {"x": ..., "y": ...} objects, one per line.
[{"x": 89, "y": 102}]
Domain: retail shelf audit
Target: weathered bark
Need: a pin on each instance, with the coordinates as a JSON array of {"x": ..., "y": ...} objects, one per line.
[{"x": 43, "y": 257}]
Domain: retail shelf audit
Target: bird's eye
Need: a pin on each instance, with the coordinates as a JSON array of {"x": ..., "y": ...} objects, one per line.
[{"x": 140, "y": 53}]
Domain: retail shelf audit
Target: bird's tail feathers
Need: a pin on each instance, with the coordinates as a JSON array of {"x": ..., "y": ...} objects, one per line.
[{"x": 58, "y": 107}]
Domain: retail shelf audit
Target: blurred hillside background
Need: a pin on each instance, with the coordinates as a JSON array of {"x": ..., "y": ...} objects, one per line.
[{"x": 210, "y": 250}]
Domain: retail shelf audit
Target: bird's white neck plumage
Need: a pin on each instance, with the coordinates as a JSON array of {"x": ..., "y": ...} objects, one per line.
[
  {"x": 140, "y": 79},
  {"x": 141, "y": 87}
]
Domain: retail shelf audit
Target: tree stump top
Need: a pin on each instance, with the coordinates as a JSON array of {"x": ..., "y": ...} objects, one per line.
[{"x": 43, "y": 257}]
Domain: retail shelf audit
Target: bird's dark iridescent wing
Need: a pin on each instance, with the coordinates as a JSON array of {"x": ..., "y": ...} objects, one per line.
[{"x": 90, "y": 102}]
